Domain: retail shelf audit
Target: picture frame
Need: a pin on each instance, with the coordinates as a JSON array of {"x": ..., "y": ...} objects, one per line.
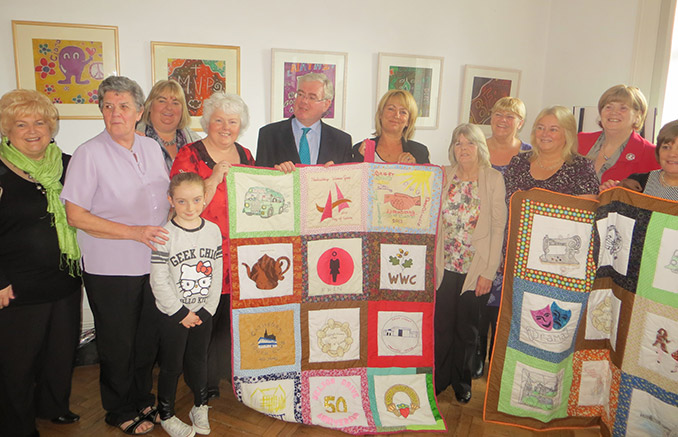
[
  {"x": 421, "y": 75},
  {"x": 66, "y": 62},
  {"x": 200, "y": 69},
  {"x": 287, "y": 65},
  {"x": 588, "y": 118},
  {"x": 483, "y": 86}
]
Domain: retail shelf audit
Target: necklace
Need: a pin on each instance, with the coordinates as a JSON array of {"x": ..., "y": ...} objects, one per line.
[
  {"x": 169, "y": 143},
  {"x": 386, "y": 155},
  {"x": 558, "y": 163},
  {"x": 38, "y": 185},
  {"x": 663, "y": 181}
]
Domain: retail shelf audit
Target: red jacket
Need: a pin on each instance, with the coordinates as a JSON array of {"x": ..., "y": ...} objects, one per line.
[
  {"x": 194, "y": 157},
  {"x": 637, "y": 157}
]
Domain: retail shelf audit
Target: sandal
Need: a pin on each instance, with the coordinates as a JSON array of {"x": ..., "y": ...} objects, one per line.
[
  {"x": 131, "y": 429},
  {"x": 151, "y": 415}
]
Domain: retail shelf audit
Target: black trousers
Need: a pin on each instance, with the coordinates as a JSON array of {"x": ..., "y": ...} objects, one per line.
[
  {"x": 456, "y": 333},
  {"x": 487, "y": 327},
  {"x": 117, "y": 304},
  {"x": 146, "y": 347},
  {"x": 219, "y": 354},
  {"x": 182, "y": 349},
  {"x": 37, "y": 351}
]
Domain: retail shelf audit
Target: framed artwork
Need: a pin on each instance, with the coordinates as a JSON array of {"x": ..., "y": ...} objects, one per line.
[
  {"x": 420, "y": 75},
  {"x": 65, "y": 62},
  {"x": 483, "y": 86},
  {"x": 288, "y": 65},
  {"x": 201, "y": 69}
]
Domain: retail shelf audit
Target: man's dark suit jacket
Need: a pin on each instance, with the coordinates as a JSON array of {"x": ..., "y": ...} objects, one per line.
[{"x": 276, "y": 145}]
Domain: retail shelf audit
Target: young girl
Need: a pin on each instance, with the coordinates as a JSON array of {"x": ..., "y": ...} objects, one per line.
[{"x": 186, "y": 281}]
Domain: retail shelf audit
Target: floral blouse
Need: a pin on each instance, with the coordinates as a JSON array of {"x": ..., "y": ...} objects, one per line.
[
  {"x": 575, "y": 178},
  {"x": 460, "y": 210}
]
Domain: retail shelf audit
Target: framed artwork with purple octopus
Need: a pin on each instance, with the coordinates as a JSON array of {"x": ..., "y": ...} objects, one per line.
[
  {"x": 66, "y": 62},
  {"x": 483, "y": 86},
  {"x": 200, "y": 69},
  {"x": 288, "y": 65}
]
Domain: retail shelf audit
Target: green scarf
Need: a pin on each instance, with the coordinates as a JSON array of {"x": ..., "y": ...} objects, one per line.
[{"x": 47, "y": 172}]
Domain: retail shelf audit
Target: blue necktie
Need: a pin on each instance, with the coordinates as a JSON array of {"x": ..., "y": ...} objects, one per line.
[{"x": 304, "y": 150}]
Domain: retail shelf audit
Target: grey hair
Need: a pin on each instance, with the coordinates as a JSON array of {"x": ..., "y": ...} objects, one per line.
[
  {"x": 121, "y": 84},
  {"x": 328, "y": 88},
  {"x": 476, "y": 136},
  {"x": 229, "y": 104}
]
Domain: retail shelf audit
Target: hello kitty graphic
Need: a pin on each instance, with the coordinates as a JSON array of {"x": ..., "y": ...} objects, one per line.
[{"x": 196, "y": 279}]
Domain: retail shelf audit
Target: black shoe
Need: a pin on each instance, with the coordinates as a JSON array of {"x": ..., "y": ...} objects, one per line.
[
  {"x": 464, "y": 397},
  {"x": 479, "y": 370},
  {"x": 66, "y": 419}
]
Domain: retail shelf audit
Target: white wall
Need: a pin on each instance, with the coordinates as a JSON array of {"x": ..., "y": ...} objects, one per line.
[
  {"x": 670, "y": 111},
  {"x": 454, "y": 30},
  {"x": 568, "y": 51},
  {"x": 590, "y": 47}
]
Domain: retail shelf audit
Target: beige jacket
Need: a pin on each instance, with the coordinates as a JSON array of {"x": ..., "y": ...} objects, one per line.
[{"x": 489, "y": 232}]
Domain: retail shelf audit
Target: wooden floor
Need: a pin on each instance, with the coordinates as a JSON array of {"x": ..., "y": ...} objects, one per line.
[{"x": 228, "y": 417}]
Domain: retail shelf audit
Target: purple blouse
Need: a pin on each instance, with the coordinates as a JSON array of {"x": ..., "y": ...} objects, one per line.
[
  {"x": 524, "y": 147},
  {"x": 575, "y": 178},
  {"x": 123, "y": 186}
]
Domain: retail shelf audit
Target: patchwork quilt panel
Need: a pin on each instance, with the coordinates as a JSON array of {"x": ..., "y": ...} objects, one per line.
[
  {"x": 332, "y": 294},
  {"x": 588, "y": 325}
]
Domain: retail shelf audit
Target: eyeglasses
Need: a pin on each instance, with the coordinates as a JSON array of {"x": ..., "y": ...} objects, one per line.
[
  {"x": 310, "y": 97},
  {"x": 506, "y": 116}
]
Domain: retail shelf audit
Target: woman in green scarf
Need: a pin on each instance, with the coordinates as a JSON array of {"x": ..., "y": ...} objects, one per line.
[{"x": 40, "y": 285}]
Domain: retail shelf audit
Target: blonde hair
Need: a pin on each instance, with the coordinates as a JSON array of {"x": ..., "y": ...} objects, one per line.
[
  {"x": 566, "y": 122},
  {"x": 629, "y": 95},
  {"x": 17, "y": 103},
  {"x": 474, "y": 135},
  {"x": 510, "y": 104},
  {"x": 175, "y": 90},
  {"x": 405, "y": 99}
]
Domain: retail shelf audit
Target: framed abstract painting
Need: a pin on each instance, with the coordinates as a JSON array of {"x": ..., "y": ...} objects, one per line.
[
  {"x": 288, "y": 65},
  {"x": 200, "y": 69},
  {"x": 65, "y": 62},
  {"x": 483, "y": 86},
  {"x": 420, "y": 75}
]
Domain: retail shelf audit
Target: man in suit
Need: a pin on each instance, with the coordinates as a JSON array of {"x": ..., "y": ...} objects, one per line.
[{"x": 304, "y": 138}]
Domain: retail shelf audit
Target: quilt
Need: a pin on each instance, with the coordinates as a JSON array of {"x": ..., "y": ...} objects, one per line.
[
  {"x": 588, "y": 325},
  {"x": 332, "y": 294}
]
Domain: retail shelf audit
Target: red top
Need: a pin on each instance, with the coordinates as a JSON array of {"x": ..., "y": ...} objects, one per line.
[
  {"x": 194, "y": 158},
  {"x": 637, "y": 157}
]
